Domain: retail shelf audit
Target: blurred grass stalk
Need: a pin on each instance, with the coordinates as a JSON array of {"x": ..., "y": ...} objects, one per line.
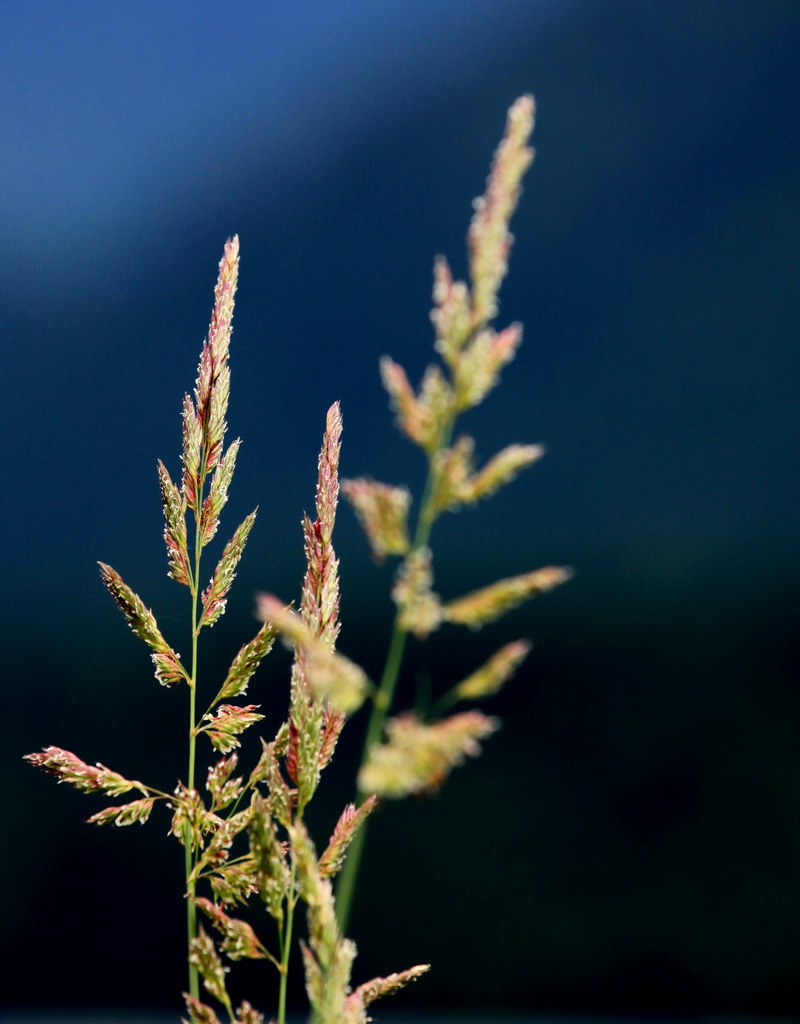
[{"x": 473, "y": 355}]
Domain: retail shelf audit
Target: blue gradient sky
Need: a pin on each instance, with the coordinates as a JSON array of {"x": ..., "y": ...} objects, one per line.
[{"x": 116, "y": 113}]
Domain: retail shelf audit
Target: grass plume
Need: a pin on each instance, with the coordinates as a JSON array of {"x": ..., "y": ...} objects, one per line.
[{"x": 244, "y": 835}]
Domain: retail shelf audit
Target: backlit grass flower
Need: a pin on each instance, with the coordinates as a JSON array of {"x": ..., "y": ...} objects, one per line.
[{"x": 417, "y": 756}]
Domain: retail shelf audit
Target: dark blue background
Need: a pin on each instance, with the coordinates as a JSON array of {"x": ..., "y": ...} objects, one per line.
[{"x": 629, "y": 841}]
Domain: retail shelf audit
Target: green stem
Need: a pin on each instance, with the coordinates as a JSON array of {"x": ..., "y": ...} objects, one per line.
[
  {"x": 191, "y": 906},
  {"x": 382, "y": 704},
  {"x": 286, "y": 943}
]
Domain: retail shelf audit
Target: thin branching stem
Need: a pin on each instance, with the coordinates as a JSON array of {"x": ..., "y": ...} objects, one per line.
[{"x": 382, "y": 703}]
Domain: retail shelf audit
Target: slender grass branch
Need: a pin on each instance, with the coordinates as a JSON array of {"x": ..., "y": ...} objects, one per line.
[
  {"x": 191, "y": 906},
  {"x": 286, "y": 943},
  {"x": 382, "y": 704}
]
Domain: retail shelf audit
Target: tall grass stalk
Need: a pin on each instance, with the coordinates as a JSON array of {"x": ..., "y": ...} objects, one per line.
[{"x": 472, "y": 356}]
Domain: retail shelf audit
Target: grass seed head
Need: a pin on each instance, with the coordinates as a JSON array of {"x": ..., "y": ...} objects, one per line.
[
  {"x": 199, "y": 1013},
  {"x": 203, "y": 955},
  {"x": 239, "y": 941},
  {"x": 382, "y": 511},
  {"x": 491, "y": 677},
  {"x": 347, "y": 826},
  {"x": 125, "y": 814},
  {"x": 489, "y": 603},
  {"x": 451, "y": 315},
  {"x": 372, "y": 990},
  {"x": 226, "y": 724},
  {"x": 212, "y": 388},
  {"x": 69, "y": 768},
  {"x": 268, "y": 856},
  {"x": 418, "y": 757},
  {"x": 246, "y": 1014},
  {"x": 246, "y": 662},
  {"x": 174, "y": 527},
  {"x": 420, "y": 609},
  {"x": 218, "y": 493},
  {"x": 489, "y": 237},
  {"x": 477, "y": 369},
  {"x": 214, "y": 598}
]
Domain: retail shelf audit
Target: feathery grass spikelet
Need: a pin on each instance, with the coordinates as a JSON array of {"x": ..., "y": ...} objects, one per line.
[
  {"x": 402, "y": 399},
  {"x": 420, "y": 609},
  {"x": 125, "y": 814},
  {"x": 169, "y": 671},
  {"x": 489, "y": 603},
  {"x": 421, "y": 418},
  {"x": 246, "y": 1014},
  {"x": 268, "y": 770},
  {"x": 333, "y": 719},
  {"x": 227, "y": 723},
  {"x": 500, "y": 470},
  {"x": 348, "y": 824},
  {"x": 327, "y": 675},
  {"x": 191, "y": 819},
  {"x": 382, "y": 511},
  {"x": 215, "y": 854},
  {"x": 339, "y": 682},
  {"x": 218, "y": 493},
  {"x": 199, "y": 1013},
  {"x": 217, "y": 425},
  {"x": 239, "y": 940},
  {"x": 477, "y": 369},
  {"x": 234, "y": 883},
  {"x": 313, "y": 727},
  {"x": 372, "y": 990},
  {"x": 246, "y": 662},
  {"x": 452, "y": 468},
  {"x": 191, "y": 454},
  {"x": 328, "y": 472},
  {"x": 174, "y": 528},
  {"x": 283, "y": 620},
  {"x": 451, "y": 315},
  {"x": 436, "y": 400},
  {"x": 214, "y": 597},
  {"x": 417, "y": 757},
  {"x": 319, "y": 603},
  {"x": 489, "y": 238},
  {"x": 203, "y": 955},
  {"x": 273, "y": 878},
  {"x": 319, "y": 610},
  {"x": 204, "y": 419},
  {"x": 67, "y": 767},
  {"x": 306, "y": 727},
  {"x": 139, "y": 618},
  {"x": 212, "y": 388},
  {"x": 319, "y": 674},
  {"x": 489, "y": 678},
  {"x": 223, "y": 789}
]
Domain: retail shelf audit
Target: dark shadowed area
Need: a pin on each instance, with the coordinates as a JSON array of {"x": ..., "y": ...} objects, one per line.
[{"x": 628, "y": 843}]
